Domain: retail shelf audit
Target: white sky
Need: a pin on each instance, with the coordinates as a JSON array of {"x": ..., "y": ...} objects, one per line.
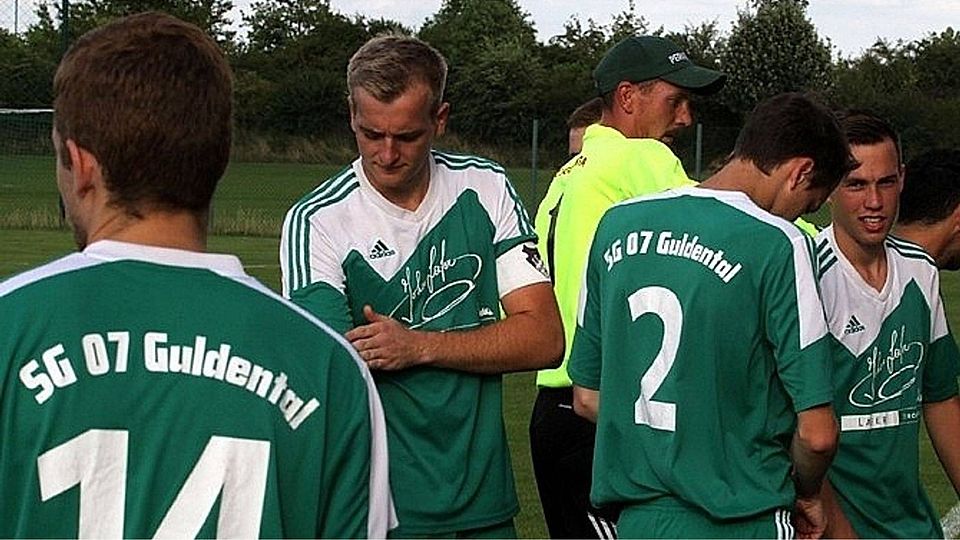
[{"x": 851, "y": 25}]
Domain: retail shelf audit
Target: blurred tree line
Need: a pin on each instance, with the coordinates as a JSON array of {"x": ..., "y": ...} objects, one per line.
[{"x": 290, "y": 59}]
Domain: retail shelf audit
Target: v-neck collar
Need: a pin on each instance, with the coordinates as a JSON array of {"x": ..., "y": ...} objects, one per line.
[{"x": 391, "y": 209}]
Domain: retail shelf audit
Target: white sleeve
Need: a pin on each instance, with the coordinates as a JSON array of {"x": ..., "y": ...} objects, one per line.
[
  {"x": 520, "y": 266},
  {"x": 307, "y": 256}
]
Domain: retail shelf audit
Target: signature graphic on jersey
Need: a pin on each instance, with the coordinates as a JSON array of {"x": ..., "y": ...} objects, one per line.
[
  {"x": 432, "y": 292},
  {"x": 890, "y": 373}
]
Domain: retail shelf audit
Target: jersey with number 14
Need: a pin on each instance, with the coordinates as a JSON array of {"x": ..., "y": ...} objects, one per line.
[
  {"x": 895, "y": 353},
  {"x": 702, "y": 329},
  {"x": 155, "y": 392}
]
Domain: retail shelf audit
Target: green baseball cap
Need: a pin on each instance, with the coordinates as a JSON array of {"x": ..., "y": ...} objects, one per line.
[{"x": 643, "y": 58}]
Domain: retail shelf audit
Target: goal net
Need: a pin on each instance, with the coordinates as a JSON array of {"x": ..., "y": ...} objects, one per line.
[{"x": 28, "y": 188}]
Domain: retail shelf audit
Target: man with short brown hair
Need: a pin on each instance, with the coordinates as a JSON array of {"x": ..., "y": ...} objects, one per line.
[
  {"x": 586, "y": 114},
  {"x": 897, "y": 361},
  {"x": 930, "y": 206},
  {"x": 702, "y": 351},
  {"x": 417, "y": 250},
  {"x": 150, "y": 389}
]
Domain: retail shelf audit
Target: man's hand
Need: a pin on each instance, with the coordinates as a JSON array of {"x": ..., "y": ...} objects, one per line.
[
  {"x": 384, "y": 343},
  {"x": 809, "y": 518},
  {"x": 530, "y": 337}
]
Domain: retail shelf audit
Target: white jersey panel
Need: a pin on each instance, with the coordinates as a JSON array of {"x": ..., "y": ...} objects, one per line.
[
  {"x": 299, "y": 264},
  {"x": 75, "y": 261},
  {"x": 347, "y": 215},
  {"x": 855, "y": 310}
]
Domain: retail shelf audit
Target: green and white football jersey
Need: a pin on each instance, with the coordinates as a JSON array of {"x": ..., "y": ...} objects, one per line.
[
  {"x": 701, "y": 326},
  {"x": 442, "y": 267},
  {"x": 895, "y": 353},
  {"x": 148, "y": 391}
]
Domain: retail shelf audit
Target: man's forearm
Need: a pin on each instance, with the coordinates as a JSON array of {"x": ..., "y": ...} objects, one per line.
[
  {"x": 812, "y": 450},
  {"x": 943, "y": 426},
  {"x": 586, "y": 403},
  {"x": 530, "y": 337},
  {"x": 838, "y": 526},
  {"x": 520, "y": 342}
]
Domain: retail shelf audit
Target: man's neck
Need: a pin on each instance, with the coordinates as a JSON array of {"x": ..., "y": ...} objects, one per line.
[
  {"x": 407, "y": 196},
  {"x": 744, "y": 177},
  {"x": 175, "y": 230},
  {"x": 923, "y": 236},
  {"x": 619, "y": 122},
  {"x": 870, "y": 261}
]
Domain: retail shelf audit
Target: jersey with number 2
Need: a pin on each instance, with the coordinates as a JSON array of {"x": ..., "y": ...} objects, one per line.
[{"x": 701, "y": 326}]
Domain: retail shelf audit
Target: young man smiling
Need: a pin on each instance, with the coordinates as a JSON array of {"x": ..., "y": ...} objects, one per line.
[{"x": 897, "y": 362}]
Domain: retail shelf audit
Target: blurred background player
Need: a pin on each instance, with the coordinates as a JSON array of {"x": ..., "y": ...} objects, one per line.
[
  {"x": 585, "y": 115},
  {"x": 897, "y": 361},
  {"x": 698, "y": 401},
  {"x": 644, "y": 84},
  {"x": 930, "y": 206},
  {"x": 417, "y": 250},
  {"x": 179, "y": 395}
]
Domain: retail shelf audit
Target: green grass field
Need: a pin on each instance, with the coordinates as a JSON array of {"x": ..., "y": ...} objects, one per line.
[
  {"x": 251, "y": 199},
  {"x": 249, "y": 208}
]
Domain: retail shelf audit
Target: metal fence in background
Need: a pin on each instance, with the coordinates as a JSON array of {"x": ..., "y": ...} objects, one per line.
[{"x": 17, "y": 15}]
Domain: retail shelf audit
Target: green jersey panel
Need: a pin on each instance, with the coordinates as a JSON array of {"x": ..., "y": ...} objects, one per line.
[
  {"x": 894, "y": 353},
  {"x": 320, "y": 297},
  {"x": 142, "y": 396},
  {"x": 434, "y": 411},
  {"x": 701, "y": 326}
]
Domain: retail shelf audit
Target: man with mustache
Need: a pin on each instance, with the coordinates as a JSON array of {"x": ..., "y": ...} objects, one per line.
[{"x": 645, "y": 84}]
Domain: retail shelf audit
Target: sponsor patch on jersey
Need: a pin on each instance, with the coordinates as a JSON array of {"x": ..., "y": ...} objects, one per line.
[
  {"x": 380, "y": 250},
  {"x": 533, "y": 257}
]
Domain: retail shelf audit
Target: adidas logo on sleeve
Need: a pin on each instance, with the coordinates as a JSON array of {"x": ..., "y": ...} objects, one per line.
[
  {"x": 853, "y": 326},
  {"x": 380, "y": 250}
]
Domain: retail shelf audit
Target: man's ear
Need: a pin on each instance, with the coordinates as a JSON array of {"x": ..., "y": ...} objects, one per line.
[
  {"x": 954, "y": 218},
  {"x": 624, "y": 96},
  {"x": 443, "y": 114},
  {"x": 799, "y": 173},
  {"x": 353, "y": 113},
  {"x": 84, "y": 167}
]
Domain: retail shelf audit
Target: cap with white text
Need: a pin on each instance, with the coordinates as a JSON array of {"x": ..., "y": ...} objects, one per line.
[{"x": 643, "y": 58}]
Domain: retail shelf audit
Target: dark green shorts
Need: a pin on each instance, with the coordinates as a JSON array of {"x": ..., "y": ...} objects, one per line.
[
  {"x": 505, "y": 529},
  {"x": 663, "y": 521}
]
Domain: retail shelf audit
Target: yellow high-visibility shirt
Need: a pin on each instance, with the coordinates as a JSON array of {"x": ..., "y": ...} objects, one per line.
[{"x": 611, "y": 168}]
